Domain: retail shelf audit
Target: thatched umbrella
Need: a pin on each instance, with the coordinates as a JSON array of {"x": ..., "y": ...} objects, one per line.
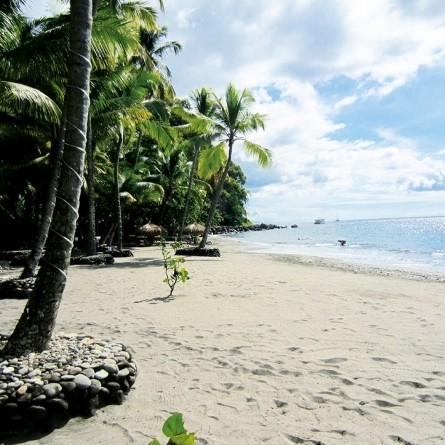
[
  {"x": 149, "y": 229},
  {"x": 194, "y": 229}
]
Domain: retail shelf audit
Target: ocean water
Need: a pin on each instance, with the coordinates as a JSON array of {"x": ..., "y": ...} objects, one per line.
[{"x": 412, "y": 244}]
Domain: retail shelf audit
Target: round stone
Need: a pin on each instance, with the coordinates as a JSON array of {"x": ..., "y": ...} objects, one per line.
[
  {"x": 89, "y": 372},
  {"x": 68, "y": 386},
  {"x": 101, "y": 375},
  {"x": 123, "y": 373},
  {"x": 52, "y": 389},
  {"x": 36, "y": 412},
  {"x": 82, "y": 381},
  {"x": 95, "y": 386},
  {"x": 20, "y": 391},
  {"x": 112, "y": 368},
  {"x": 113, "y": 386},
  {"x": 67, "y": 378}
]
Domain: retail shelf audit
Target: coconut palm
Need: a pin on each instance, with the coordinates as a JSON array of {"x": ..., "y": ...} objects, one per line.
[
  {"x": 155, "y": 49},
  {"x": 205, "y": 107},
  {"x": 35, "y": 327},
  {"x": 120, "y": 109},
  {"x": 233, "y": 120}
]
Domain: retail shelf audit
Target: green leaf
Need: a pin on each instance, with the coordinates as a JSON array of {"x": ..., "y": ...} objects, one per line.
[
  {"x": 155, "y": 442},
  {"x": 174, "y": 425},
  {"x": 184, "y": 439}
]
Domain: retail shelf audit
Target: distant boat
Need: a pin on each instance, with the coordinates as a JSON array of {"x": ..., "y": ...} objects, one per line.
[
  {"x": 294, "y": 226},
  {"x": 319, "y": 221}
]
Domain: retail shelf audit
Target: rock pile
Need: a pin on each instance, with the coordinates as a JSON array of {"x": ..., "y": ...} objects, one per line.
[
  {"x": 75, "y": 376},
  {"x": 16, "y": 288}
]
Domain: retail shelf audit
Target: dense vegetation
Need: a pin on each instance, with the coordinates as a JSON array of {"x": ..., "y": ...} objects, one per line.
[
  {"x": 94, "y": 142},
  {"x": 143, "y": 140}
]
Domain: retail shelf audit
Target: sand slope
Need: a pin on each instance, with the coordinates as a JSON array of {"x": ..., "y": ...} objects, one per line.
[{"x": 257, "y": 350}]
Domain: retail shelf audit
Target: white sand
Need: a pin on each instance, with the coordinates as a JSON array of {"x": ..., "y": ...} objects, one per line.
[{"x": 257, "y": 350}]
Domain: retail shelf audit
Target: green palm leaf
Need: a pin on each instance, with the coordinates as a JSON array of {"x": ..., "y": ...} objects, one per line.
[
  {"x": 261, "y": 154},
  {"x": 21, "y": 101},
  {"x": 211, "y": 160}
]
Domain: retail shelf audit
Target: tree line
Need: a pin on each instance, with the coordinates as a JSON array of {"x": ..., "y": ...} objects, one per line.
[{"x": 94, "y": 141}]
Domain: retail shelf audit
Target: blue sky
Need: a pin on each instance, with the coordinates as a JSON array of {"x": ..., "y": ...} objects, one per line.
[{"x": 353, "y": 92}]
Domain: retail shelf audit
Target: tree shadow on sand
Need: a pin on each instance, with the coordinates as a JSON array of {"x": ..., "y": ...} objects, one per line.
[{"x": 156, "y": 300}]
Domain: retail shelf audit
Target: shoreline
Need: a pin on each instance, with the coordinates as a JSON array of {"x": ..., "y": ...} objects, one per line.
[
  {"x": 257, "y": 349},
  {"x": 319, "y": 261}
]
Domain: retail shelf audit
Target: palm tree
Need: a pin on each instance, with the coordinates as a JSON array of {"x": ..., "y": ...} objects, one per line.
[
  {"x": 205, "y": 107},
  {"x": 233, "y": 120},
  {"x": 155, "y": 50},
  {"x": 120, "y": 108},
  {"x": 25, "y": 108},
  {"x": 116, "y": 44},
  {"x": 36, "y": 325}
]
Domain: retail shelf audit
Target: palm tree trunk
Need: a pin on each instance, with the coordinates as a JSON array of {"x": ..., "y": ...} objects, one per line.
[
  {"x": 138, "y": 149},
  {"x": 91, "y": 232},
  {"x": 116, "y": 188},
  {"x": 189, "y": 191},
  {"x": 216, "y": 197},
  {"x": 36, "y": 325},
  {"x": 48, "y": 208}
]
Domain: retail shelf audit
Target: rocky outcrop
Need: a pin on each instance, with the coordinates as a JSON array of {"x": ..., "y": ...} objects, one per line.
[
  {"x": 196, "y": 251},
  {"x": 224, "y": 230}
]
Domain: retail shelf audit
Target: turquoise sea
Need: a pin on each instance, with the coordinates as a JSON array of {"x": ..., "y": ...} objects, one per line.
[{"x": 413, "y": 244}]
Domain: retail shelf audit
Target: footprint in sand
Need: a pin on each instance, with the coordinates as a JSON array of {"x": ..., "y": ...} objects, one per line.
[
  {"x": 335, "y": 360},
  {"x": 328, "y": 372},
  {"x": 280, "y": 403},
  {"x": 383, "y": 359},
  {"x": 295, "y": 349},
  {"x": 233, "y": 386},
  {"x": 401, "y": 440},
  {"x": 385, "y": 404},
  {"x": 412, "y": 384}
]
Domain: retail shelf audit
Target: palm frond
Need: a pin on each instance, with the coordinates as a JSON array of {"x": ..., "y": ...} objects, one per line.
[
  {"x": 252, "y": 122},
  {"x": 161, "y": 133},
  {"x": 22, "y": 101},
  {"x": 261, "y": 154},
  {"x": 211, "y": 160}
]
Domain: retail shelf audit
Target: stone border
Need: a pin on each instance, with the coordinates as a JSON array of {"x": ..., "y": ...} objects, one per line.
[{"x": 75, "y": 376}]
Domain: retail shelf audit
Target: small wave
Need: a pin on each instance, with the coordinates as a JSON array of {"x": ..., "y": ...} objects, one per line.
[{"x": 439, "y": 253}]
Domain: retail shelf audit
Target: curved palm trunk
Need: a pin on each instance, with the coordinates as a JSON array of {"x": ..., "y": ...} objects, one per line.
[
  {"x": 48, "y": 209},
  {"x": 138, "y": 149},
  {"x": 216, "y": 197},
  {"x": 167, "y": 195},
  {"x": 189, "y": 191},
  {"x": 36, "y": 325},
  {"x": 91, "y": 231},
  {"x": 116, "y": 188}
]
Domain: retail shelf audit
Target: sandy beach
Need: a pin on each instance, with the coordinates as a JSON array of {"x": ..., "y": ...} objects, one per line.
[{"x": 260, "y": 349}]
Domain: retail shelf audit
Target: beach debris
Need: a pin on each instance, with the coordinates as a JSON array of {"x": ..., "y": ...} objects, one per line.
[{"x": 76, "y": 375}]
